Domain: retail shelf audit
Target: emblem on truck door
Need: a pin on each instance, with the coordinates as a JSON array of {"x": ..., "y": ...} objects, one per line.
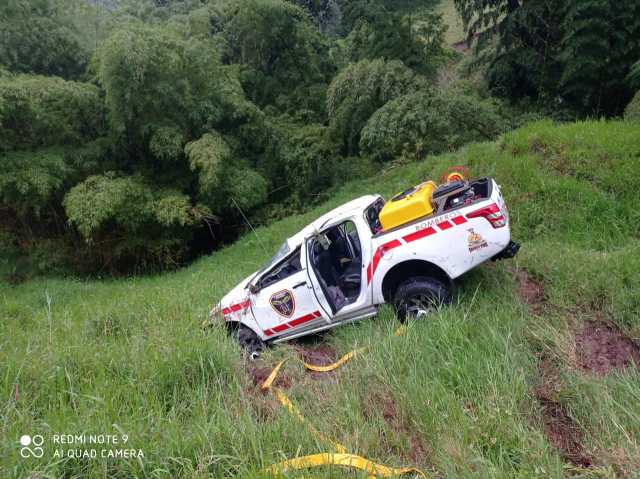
[
  {"x": 475, "y": 241},
  {"x": 283, "y": 302}
]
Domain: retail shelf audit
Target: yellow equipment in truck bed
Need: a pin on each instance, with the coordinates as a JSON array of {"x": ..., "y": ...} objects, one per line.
[{"x": 408, "y": 206}]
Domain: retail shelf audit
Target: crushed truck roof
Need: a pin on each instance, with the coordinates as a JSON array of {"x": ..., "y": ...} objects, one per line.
[{"x": 359, "y": 204}]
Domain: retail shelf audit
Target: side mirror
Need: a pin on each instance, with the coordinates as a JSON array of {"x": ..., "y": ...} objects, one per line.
[{"x": 254, "y": 289}]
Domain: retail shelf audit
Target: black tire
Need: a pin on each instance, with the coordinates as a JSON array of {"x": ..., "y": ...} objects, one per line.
[
  {"x": 249, "y": 341},
  {"x": 419, "y": 296}
]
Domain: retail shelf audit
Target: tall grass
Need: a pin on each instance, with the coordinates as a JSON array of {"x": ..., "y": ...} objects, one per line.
[{"x": 129, "y": 356}]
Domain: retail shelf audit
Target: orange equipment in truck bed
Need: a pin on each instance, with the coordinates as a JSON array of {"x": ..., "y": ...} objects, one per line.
[{"x": 407, "y": 206}]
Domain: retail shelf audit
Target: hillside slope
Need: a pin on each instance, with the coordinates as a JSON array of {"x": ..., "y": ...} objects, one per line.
[{"x": 522, "y": 377}]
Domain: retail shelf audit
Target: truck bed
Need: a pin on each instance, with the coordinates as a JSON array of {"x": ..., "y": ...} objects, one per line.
[{"x": 443, "y": 203}]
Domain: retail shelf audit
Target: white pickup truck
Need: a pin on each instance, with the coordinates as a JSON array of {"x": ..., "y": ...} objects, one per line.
[{"x": 342, "y": 266}]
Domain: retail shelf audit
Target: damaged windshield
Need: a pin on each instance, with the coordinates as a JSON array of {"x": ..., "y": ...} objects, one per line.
[{"x": 281, "y": 253}]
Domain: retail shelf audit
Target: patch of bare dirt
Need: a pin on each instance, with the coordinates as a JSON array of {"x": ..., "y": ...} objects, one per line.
[
  {"x": 461, "y": 46},
  {"x": 563, "y": 433},
  {"x": 264, "y": 406},
  {"x": 260, "y": 374},
  {"x": 419, "y": 452},
  {"x": 464, "y": 45},
  {"x": 321, "y": 355},
  {"x": 559, "y": 427},
  {"x": 602, "y": 347},
  {"x": 530, "y": 291}
]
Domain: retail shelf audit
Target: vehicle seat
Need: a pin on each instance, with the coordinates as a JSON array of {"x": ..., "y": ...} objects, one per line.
[
  {"x": 351, "y": 277},
  {"x": 324, "y": 264}
]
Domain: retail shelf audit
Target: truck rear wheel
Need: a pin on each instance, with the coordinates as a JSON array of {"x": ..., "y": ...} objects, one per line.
[
  {"x": 418, "y": 297},
  {"x": 249, "y": 341}
]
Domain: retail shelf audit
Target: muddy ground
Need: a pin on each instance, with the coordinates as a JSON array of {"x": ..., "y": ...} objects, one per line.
[
  {"x": 530, "y": 291},
  {"x": 259, "y": 373},
  {"x": 318, "y": 355},
  {"x": 561, "y": 430},
  {"x": 602, "y": 347}
]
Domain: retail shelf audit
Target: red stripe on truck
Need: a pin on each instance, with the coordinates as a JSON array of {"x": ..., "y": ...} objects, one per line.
[
  {"x": 419, "y": 234},
  {"x": 377, "y": 256},
  {"x": 304, "y": 319},
  {"x": 292, "y": 324},
  {"x": 444, "y": 225},
  {"x": 416, "y": 235},
  {"x": 236, "y": 307}
]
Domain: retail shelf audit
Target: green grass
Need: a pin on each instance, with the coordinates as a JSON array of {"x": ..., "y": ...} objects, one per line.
[
  {"x": 451, "y": 17},
  {"x": 129, "y": 355}
]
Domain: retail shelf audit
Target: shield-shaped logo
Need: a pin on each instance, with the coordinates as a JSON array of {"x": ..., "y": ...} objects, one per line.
[{"x": 283, "y": 302}]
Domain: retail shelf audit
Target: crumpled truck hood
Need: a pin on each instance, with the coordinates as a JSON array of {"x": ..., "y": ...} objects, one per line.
[{"x": 235, "y": 304}]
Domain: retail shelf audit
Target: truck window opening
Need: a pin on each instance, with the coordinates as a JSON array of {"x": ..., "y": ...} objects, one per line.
[{"x": 336, "y": 258}]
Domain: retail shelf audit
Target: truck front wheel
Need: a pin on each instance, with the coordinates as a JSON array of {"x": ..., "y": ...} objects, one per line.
[
  {"x": 417, "y": 297},
  {"x": 249, "y": 341}
]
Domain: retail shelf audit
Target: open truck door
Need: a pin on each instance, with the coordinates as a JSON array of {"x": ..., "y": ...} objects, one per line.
[
  {"x": 336, "y": 267},
  {"x": 283, "y": 301}
]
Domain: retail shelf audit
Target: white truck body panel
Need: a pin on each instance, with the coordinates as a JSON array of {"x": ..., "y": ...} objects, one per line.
[{"x": 298, "y": 303}]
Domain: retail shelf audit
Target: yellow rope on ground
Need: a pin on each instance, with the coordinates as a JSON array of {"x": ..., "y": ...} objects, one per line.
[
  {"x": 341, "y": 458},
  {"x": 337, "y": 364},
  {"x": 272, "y": 376},
  {"x": 347, "y": 460},
  {"x": 284, "y": 400},
  {"x": 345, "y": 358}
]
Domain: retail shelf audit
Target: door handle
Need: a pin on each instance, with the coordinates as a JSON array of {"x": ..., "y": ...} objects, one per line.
[{"x": 300, "y": 284}]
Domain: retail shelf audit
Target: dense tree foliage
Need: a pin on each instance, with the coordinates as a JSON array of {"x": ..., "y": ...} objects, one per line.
[
  {"x": 634, "y": 75},
  {"x": 277, "y": 45},
  {"x": 577, "y": 54},
  {"x": 326, "y": 14},
  {"x": 38, "y": 111},
  {"x": 137, "y": 134},
  {"x": 359, "y": 90},
  {"x": 40, "y": 36},
  {"x": 424, "y": 122},
  {"x": 416, "y": 40},
  {"x": 309, "y": 158}
]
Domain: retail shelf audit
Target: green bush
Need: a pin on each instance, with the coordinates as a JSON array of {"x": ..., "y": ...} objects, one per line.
[
  {"x": 425, "y": 122},
  {"x": 125, "y": 219},
  {"x": 31, "y": 180},
  {"x": 126, "y": 202},
  {"x": 308, "y": 157},
  {"x": 40, "y": 36},
  {"x": 38, "y": 111},
  {"x": 632, "y": 111},
  {"x": 277, "y": 45},
  {"x": 359, "y": 90},
  {"x": 246, "y": 189},
  {"x": 207, "y": 157},
  {"x": 155, "y": 80},
  {"x": 167, "y": 144}
]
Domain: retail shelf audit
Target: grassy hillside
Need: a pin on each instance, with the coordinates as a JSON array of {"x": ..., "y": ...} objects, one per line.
[
  {"x": 451, "y": 17},
  {"x": 519, "y": 378}
]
